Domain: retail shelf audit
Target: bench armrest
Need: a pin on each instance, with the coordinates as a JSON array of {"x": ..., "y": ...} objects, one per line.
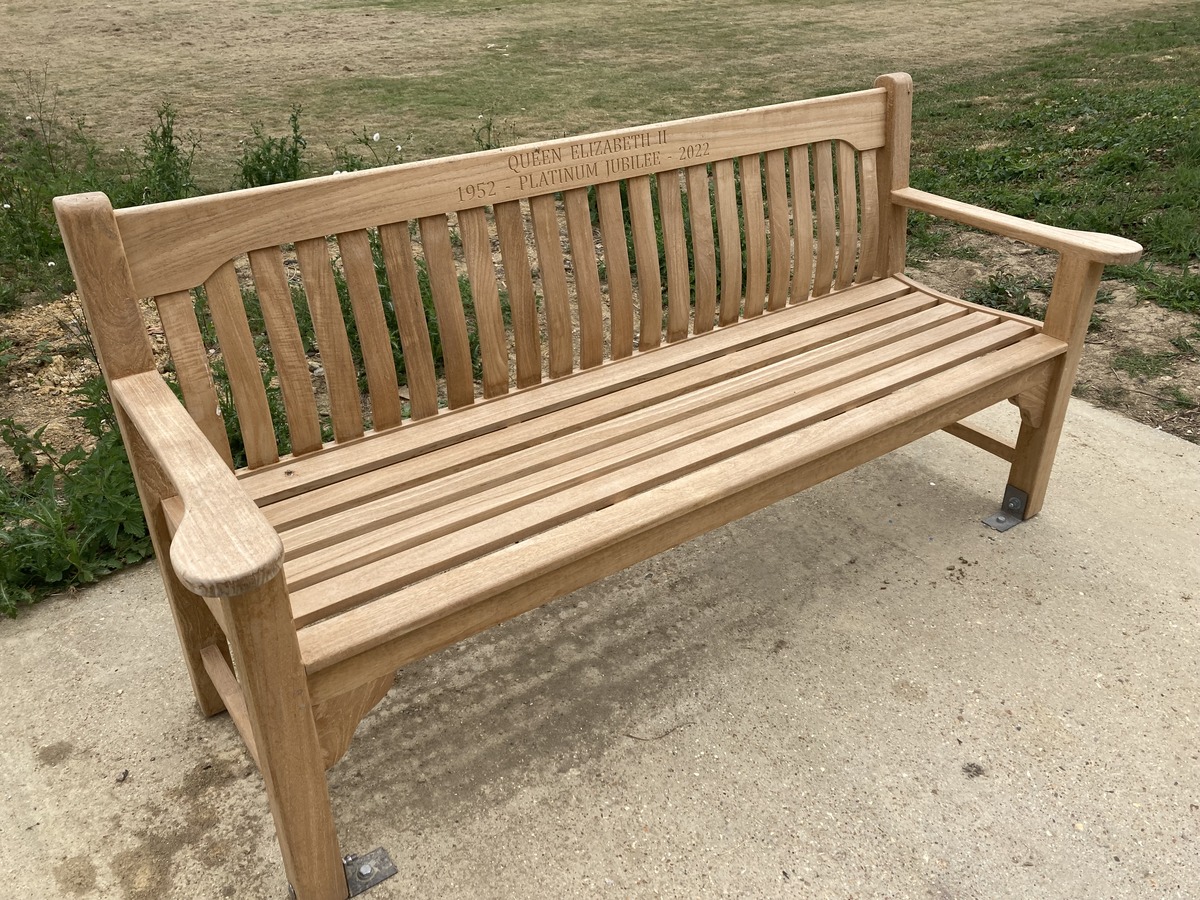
[
  {"x": 1102, "y": 248},
  {"x": 224, "y": 546}
]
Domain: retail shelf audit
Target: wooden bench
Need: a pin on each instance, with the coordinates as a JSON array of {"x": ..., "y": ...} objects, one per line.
[{"x": 610, "y": 344}]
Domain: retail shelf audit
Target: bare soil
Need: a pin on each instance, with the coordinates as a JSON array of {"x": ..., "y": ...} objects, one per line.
[{"x": 1121, "y": 324}]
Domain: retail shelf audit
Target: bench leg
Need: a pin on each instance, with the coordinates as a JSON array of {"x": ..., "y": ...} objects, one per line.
[
  {"x": 263, "y": 637},
  {"x": 1067, "y": 316}
]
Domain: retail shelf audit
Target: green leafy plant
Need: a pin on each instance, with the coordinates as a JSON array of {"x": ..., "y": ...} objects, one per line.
[
  {"x": 68, "y": 517},
  {"x": 166, "y": 165},
  {"x": 273, "y": 160},
  {"x": 1005, "y": 291},
  {"x": 368, "y": 150}
]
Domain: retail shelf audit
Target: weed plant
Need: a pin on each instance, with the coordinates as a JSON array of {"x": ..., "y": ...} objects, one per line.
[{"x": 273, "y": 160}]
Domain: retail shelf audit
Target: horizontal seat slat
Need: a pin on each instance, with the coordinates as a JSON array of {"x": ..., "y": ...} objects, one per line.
[
  {"x": 291, "y": 477},
  {"x": 432, "y": 550},
  {"x": 559, "y": 558}
]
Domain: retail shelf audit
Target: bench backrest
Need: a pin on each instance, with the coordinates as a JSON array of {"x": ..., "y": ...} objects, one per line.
[{"x": 356, "y": 301}]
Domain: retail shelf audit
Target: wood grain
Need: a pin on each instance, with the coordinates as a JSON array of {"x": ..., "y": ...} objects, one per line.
[
  {"x": 358, "y": 264},
  {"x": 345, "y": 404}
]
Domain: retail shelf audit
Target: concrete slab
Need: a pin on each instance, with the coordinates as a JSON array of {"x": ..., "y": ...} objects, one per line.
[{"x": 860, "y": 692}]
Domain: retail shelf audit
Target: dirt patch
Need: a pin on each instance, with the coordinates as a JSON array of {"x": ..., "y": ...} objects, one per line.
[
  {"x": 46, "y": 361},
  {"x": 1135, "y": 359},
  {"x": 75, "y": 876}
]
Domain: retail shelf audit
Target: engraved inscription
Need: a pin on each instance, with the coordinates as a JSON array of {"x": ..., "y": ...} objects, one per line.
[
  {"x": 480, "y": 190},
  {"x": 698, "y": 150},
  {"x": 551, "y": 167}
]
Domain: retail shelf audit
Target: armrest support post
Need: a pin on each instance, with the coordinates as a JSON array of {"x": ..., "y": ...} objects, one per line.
[{"x": 1067, "y": 317}]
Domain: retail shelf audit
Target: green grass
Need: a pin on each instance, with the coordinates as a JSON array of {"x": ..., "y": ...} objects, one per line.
[
  {"x": 1100, "y": 131},
  {"x": 1140, "y": 364}
]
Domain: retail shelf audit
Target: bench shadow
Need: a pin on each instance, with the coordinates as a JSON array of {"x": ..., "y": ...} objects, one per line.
[{"x": 630, "y": 658}]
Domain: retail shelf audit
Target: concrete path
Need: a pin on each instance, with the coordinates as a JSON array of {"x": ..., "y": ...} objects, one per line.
[{"x": 860, "y": 692}]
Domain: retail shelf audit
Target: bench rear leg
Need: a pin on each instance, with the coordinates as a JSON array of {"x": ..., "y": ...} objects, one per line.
[
  {"x": 275, "y": 687},
  {"x": 1067, "y": 316}
]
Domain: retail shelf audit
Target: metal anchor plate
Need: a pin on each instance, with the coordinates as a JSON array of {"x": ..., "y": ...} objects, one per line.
[
  {"x": 1012, "y": 510},
  {"x": 365, "y": 871}
]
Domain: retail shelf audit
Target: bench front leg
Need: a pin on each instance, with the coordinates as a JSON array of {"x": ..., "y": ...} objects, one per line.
[
  {"x": 275, "y": 688},
  {"x": 1067, "y": 316}
]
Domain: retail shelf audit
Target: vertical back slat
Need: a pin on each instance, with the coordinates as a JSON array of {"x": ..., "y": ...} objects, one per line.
[
  {"x": 704, "y": 252},
  {"x": 802, "y": 219},
  {"x": 493, "y": 343},
  {"x": 587, "y": 277},
  {"x": 781, "y": 236},
  {"x": 287, "y": 348},
  {"x": 868, "y": 260},
  {"x": 826, "y": 232},
  {"x": 548, "y": 239},
  {"x": 756, "y": 236},
  {"x": 345, "y": 403},
  {"x": 420, "y": 375},
  {"x": 616, "y": 268},
  {"x": 178, "y": 316},
  {"x": 228, "y": 313},
  {"x": 847, "y": 214},
  {"x": 645, "y": 251},
  {"x": 730, "y": 237},
  {"x": 679, "y": 288},
  {"x": 447, "y": 302},
  {"x": 374, "y": 339},
  {"x": 518, "y": 281}
]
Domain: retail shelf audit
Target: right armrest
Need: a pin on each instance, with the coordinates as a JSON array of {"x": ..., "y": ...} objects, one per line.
[
  {"x": 224, "y": 546},
  {"x": 1102, "y": 248}
]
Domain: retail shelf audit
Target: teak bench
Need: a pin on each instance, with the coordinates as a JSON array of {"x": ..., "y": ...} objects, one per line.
[{"x": 611, "y": 344}]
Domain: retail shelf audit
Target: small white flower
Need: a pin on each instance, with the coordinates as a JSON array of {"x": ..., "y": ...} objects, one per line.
[
  {"x": 29, "y": 118},
  {"x": 8, "y": 206},
  {"x": 399, "y": 148},
  {"x": 50, "y": 264},
  {"x": 375, "y": 137}
]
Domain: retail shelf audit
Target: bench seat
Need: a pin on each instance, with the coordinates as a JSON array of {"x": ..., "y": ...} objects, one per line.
[{"x": 527, "y": 495}]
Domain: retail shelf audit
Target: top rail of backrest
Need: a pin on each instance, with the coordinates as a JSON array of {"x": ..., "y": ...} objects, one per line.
[{"x": 176, "y": 246}]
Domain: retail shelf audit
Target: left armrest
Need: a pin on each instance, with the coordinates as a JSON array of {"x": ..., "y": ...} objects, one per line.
[
  {"x": 224, "y": 545},
  {"x": 1101, "y": 248}
]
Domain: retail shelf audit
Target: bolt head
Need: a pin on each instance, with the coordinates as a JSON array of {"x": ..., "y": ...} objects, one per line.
[{"x": 365, "y": 871}]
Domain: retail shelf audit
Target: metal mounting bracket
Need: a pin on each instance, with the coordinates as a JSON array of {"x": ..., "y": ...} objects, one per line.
[
  {"x": 1012, "y": 510},
  {"x": 365, "y": 871}
]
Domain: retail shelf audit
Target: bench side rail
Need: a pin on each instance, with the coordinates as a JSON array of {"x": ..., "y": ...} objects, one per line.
[{"x": 329, "y": 307}]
